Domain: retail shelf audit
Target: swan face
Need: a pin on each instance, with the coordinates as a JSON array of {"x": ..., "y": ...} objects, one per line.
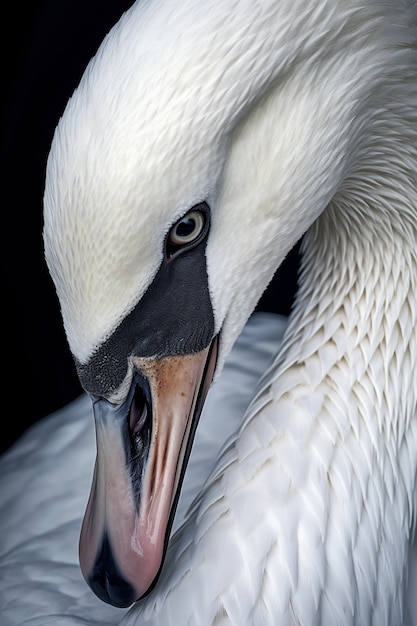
[
  {"x": 174, "y": 190},
  {"x": 161, "y": 122}
]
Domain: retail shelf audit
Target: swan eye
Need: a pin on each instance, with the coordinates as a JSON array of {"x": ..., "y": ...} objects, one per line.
[{"x": 188, "y": 231}]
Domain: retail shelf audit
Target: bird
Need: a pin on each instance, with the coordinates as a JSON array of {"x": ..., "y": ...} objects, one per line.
[{"x": 204, "y": 140}]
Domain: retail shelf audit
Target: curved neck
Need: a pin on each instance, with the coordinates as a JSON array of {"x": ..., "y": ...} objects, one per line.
[
  {"x": 342, "y": 394},
  {"x": 354, "y": 323}
]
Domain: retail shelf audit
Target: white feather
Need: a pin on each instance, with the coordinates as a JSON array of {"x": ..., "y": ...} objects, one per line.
[{"x": 287, "y": 118}]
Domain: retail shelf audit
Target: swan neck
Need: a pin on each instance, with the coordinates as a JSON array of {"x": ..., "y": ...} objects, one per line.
[{"x": 355, "y": 310}]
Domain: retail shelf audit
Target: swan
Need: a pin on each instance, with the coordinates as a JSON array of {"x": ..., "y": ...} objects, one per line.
[{"x": 203, "y": 141}]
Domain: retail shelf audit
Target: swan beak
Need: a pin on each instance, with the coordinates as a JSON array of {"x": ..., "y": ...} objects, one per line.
[{"x": 142, "y": 451}]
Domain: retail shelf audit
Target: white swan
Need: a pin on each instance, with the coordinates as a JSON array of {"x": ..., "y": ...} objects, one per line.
[{"x": 204, "y": 140}]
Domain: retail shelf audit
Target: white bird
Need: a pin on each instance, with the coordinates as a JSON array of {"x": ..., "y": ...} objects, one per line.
[{"x": 204, "y": 140}]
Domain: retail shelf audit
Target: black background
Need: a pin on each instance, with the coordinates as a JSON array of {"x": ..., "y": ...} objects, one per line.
[{"x": 46, "y": 47}]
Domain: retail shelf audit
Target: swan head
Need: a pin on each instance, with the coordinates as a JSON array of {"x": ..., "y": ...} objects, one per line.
[{"x": 186, "y": 165}]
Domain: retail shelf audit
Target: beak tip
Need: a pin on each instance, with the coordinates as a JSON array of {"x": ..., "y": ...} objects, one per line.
[{"x": 106, "y": 580}]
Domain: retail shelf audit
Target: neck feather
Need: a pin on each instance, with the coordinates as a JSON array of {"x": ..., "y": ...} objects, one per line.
[
  {"x": 341, "y": 398},
  {"x": 357, "y": 302}
]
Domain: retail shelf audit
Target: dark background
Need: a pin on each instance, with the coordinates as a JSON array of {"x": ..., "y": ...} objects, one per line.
[{"x": 47, "y": 45}]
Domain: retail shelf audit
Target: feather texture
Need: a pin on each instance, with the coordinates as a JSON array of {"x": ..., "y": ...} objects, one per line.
[{"x": 287, "y": 119}]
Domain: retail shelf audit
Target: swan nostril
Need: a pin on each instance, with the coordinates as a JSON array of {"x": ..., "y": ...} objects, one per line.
[
  {"x": 139, "y": 411},
  {"x": 139, "y": 431}
]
